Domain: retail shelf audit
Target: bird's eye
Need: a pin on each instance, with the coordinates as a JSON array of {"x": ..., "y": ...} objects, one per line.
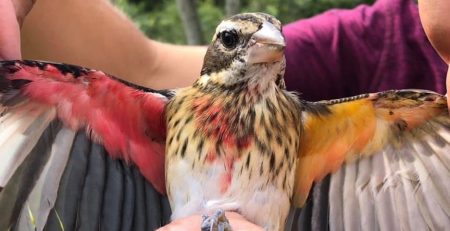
[{"x": 229, "y": 39}]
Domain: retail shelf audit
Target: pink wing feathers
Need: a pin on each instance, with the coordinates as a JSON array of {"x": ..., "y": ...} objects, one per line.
[{"x": 127, "y": 119}]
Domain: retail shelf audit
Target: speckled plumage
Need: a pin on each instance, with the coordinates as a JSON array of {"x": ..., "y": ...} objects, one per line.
[
  {"x": 233, "y": 137},
  {"x": 231, "y": 151}
]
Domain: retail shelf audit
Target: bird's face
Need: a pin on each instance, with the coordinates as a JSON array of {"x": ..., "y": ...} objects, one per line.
[{"x": 245, "y": 48}]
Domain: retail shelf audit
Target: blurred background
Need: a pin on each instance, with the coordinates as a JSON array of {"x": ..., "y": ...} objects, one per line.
[{"x": 194, "y": 21}]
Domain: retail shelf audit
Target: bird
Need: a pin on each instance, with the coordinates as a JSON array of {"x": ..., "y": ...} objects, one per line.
[{"x": 236, "y": 140}]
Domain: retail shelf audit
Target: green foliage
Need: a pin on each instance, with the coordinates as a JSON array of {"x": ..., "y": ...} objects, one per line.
[
  {"x": 160, "y": 20},
  {"x": 210, "y": 16},
  {"x": 160, "y": 23},
  {"x": 292, "y": 10}
]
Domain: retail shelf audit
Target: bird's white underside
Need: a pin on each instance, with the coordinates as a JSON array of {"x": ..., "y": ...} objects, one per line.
[{"x": 205, "y": 196}]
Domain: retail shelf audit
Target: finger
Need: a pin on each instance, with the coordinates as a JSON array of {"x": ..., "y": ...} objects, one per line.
[
  {"x": 10, "y": 32},
  {"x": 188, "y": 223},
  {"x": 237, "y": 221}
]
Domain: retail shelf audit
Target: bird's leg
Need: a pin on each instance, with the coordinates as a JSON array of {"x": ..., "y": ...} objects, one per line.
[{"x": 216, "y": 222}]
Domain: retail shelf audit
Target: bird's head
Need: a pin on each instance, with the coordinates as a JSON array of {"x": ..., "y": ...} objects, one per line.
[{"x": 246, "y": 50}]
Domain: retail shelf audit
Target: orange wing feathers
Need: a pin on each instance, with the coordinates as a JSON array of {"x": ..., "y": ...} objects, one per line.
[{"x": 356, "y": 128}]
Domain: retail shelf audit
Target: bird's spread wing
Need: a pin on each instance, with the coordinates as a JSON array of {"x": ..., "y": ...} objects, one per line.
[
  {"x": 52, "y": 113},
  {"x": 389, "y": 155}
]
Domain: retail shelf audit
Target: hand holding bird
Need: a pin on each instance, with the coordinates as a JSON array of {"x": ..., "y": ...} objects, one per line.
[{"x": 236, "y": 140}]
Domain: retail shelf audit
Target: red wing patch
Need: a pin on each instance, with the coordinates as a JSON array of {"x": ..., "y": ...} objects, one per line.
[{"x": 129, "y": 122}]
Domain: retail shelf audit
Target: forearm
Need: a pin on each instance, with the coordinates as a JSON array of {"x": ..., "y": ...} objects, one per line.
[
  {"x": 177, "y": 66},
  {"x": 96, "y": 35},
  {"x": 434, "y": 15}
]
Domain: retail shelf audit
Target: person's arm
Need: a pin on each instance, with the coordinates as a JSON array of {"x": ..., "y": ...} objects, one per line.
[
  {"x": 97, "y": 35},
  {"x": 436, "y": 23}
]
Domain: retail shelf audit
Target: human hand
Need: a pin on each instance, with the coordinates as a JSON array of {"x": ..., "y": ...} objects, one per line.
[
  {"x": 436, "y": 23},
  {"x": 12, "y": 14},
  {"x": 237, "y": 221}
]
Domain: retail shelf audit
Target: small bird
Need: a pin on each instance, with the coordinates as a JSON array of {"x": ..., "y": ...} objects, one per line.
[
  {"x": 236, "y": 131},
  {"x": 236, "y": 140}
]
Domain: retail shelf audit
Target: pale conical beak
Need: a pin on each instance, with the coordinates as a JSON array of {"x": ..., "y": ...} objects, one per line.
[{"x": 267, "y": 45}]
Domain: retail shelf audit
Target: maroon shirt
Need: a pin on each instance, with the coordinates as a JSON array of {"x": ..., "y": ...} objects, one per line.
[{"x": 367, "y": 49}]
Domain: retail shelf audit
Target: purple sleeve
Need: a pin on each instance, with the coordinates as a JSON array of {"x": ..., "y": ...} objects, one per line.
[{"x": 367, "y": 49}]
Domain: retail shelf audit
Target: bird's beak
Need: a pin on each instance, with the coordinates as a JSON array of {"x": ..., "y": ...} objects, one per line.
[{"x": 267, "y": 45}]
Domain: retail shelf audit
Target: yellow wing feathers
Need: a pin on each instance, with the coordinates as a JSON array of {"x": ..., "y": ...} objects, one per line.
[{"x": 358, "y": 128}]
